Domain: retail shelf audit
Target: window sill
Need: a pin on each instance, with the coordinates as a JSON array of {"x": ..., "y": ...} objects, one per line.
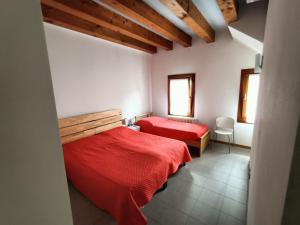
[
  {"x": 244, "y": 122},
  {"x": 181, "y": 117}
]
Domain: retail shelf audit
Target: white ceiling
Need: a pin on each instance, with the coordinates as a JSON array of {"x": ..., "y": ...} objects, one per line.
[{"x": 208, "y": 8}]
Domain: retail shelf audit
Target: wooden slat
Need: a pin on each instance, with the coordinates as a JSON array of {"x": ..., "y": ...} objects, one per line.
[
  {"x": 74, "y": 120},
  {"x": 90, "y": 132},
  {"x": 107, "y": 127},
  {"x": 144, "y": 14},
  {"x": 77, "y": 136},
  {"x": 192, "y": 17},
  {"x": 89, "y": 125},
  {"x": 95, "y": 13},
  {"x": 229, "y": 10},
  {"x": 139, "y": 117},
  {"x": 71, "y": 22}
]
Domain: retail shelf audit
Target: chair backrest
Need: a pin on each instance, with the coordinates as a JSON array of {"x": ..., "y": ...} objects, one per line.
[{"x": 225, "y": 122}]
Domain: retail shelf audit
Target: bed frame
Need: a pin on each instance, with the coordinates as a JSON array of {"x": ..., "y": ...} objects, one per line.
[
  {"x": 201, "y": 143},
  {"x": 77, "y": 127}
]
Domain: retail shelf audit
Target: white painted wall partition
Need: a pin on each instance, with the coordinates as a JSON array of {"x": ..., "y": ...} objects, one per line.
[
  {"x": 278, "y": 114},
  {"x": 33, "y": 186}
]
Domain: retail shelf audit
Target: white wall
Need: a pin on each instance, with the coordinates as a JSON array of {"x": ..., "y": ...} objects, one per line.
[
  {"x": 278, "y": 114},
  {"x": 33, "y": 186},
  {"x": 218, "y": 69},
  {"x": 90, "y": 74}
]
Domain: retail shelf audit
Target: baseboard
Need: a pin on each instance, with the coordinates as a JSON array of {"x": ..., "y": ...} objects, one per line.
[{"x": 237, "y": 145}]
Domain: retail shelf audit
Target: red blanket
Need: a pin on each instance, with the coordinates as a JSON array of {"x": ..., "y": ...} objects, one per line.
[
  {"x": 119, "y": 170},
  {"x": 171, "y": 128}
]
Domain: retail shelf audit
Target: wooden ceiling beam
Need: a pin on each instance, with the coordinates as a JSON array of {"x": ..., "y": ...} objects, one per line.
[
  {"x": 192, "y": 17},
  {"x": 144, "y": 14},
  {"x": 71, "y": 22},
  {"x": 95, "y": 13},
  {"x": 229, "y": 9}
]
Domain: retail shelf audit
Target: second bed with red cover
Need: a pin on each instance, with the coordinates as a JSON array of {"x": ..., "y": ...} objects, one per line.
[
  {"x": 172, "y": 129},
  {"x": 120, "y": 170}
]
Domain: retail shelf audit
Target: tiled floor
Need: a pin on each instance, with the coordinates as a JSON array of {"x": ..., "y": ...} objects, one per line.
[{"x": 211, "y": 190}]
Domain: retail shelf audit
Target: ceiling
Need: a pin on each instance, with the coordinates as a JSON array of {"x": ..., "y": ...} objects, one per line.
[
  {"x": 208, "y": 8},
  {"x": 90, "y": 18}
]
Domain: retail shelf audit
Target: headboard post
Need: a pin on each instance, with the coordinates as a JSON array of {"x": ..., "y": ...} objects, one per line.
[{"x": 137, "y": 118}]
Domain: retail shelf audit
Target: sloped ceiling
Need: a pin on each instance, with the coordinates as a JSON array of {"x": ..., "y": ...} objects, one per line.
[
  {"x": 249, "y": 29},
  {"x": 250, "y": 1}
]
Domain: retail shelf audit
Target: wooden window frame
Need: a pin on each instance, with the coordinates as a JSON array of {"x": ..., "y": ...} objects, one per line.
[
  {"x": 245, "y": 73},
  {"x": 192, "y": 102}
]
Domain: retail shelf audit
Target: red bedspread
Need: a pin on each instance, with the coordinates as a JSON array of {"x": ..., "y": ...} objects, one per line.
[
  {"x": 119, "y": 170},
  {"x": 171, "y": 128}
]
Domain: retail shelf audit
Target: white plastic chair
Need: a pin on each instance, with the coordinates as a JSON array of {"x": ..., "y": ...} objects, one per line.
[{"x": 225, "y": 127}]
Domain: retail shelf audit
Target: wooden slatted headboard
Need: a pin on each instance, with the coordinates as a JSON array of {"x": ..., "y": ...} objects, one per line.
[
  {"x": 137, "y": 118},
  {"x": 77, "y": 127}
]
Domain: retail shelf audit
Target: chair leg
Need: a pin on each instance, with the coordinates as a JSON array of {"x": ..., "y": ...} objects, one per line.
[
  {"x": 211, "y": 141},
  {"x": 228, "y": 142},
  {"x": 215, "y": 135}
]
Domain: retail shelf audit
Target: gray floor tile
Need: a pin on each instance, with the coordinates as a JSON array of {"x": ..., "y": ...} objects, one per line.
[
  {"x": 223, "y": 167},
  {"x": 155, "y": 209},
  {"x": 186, "y": 187},
  {"x": 242, "y": 174},
  {"x": 219, "y": 176},
  {"x": 152, "y": 221},
  {"x": 172, "y": 216},
  {"x": 234, "y": 208},
  {"x": 196, "y": 178},
  {"x": 211, "y": 198},
  {"x": 205, "y": 213},
  {"x": 191, "y": 190},
  {"x": 180, "y": 202},
  {"x": 225, "y": 219},
  {"x": 236, "y": 194},
  {"x": 215, "y": 186},
  {"x": 238, "y": 183},
  {"x": 193, "y": 221},
  {"x": 166, "y": 195}
]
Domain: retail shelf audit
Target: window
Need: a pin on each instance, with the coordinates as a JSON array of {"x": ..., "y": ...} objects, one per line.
[
  {"x": 181, "y": 94},
  {"x": 248, "y": 96}
]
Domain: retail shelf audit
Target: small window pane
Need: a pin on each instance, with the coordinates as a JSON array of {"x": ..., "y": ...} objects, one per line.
[
  {"x": 179, "y": 97},
  {"x": 252, "y": 95}
]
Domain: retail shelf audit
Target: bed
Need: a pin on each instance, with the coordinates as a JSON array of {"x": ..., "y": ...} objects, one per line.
[
  {"x": 116, "y": 168},
  {"x": 193, "y": 134}
]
